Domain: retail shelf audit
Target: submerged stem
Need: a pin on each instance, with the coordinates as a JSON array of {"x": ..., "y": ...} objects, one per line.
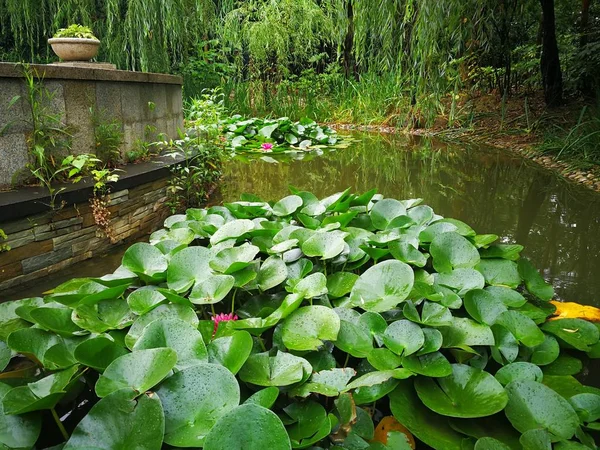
[{"x": 59, "y": 424}]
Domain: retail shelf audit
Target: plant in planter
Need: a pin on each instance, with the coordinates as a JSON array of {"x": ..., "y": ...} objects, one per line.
[
  {"x": 351, "y": 322},
  {"x": 75, "y": 43}
]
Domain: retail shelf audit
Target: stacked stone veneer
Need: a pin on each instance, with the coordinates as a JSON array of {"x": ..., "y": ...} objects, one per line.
[
  {"x": 47, "y": 242},
  {"x": 145, "y": 104}
]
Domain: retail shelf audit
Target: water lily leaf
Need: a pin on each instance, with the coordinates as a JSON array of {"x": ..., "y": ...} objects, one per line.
[
  {"x": 178, "y": 335},
  {"x": 546, "y": 352},
  {"x": 509, "y": 297},
  {"x": 194, "y": 400},
  {"x": 40, "y": 343},
  {"x": 435, "y": 229},
  {"x": 265, "y": 397},
  {"x": 519, "y": 371},
  {"x": 312, "y": 286},
  {"x": 433, "y": 341},
  {"x": 565, "y": 364},
  {"x": 272, "y": 272},
  {"x": 483, "y": 306},
  {"x": 145, "y": 260},
  {"x": 145, "y": 299},
  {"x": 377, "y": 378},
  {"x": 287, "y": 205},
  {"x": 461, "y": 280},
  {"x": 176, "y": 311},
  {"x": 140, "y": 370},
  {"x": 340, "y": 283},
  {"x": 307, "y": 328},
  {"x": 383, "y": 286},
  {"x": 468, "y": 392},
  {"x": 57, "y": 319},
  {"x": 121, "y": 421},
  {"x": 103, "y": 316},
  {"x": 466, "y": 332},
  {"x": 488, "y": 443},
  {"x": 212, "y": 290},
  {"x": 354, "y": 339},
  {"x": 533, "y": 280},
  {"x": 452, "y": 251},
  {"x": 98, "y": 352},
  {"x": 499, "y": 272},
  {"x": 429, "y": 427},
  {"x": 233, "y": 259},
  {"x": 231, "y": 351},
  {"x": 5, "y": 355},
  {"x": 383, "y": 359},
  {"x": 536, "y": 439},
  {"x": 187, "y": 267},
  {"x": 17, "y": 431},
  {"x": 282, "y": 369},
  {"x": 42, "y": 394},
  {"x": 325, "y": 245},
  {"x": 404, "y": 337},
  {"x": 532, "y": 405},
  {"x": 405, "y": 252},
  {"x": 308, "y": 417},
  {"x": 385, "y": 211},
  {"x": 587, "y": 406},
  {"x": 578, "y": 333},
  {"x": 251, "y": 427},
  {"x": 522, "y": 328},
  {"x": 232, "y": 230},
  {"x": 432, "y": 364}
]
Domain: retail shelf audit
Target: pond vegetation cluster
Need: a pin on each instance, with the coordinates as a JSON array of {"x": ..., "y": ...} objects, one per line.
[{"x": 349, "y": 322}]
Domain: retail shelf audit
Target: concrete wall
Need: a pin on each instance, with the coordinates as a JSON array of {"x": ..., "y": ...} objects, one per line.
[
  {"x": 47, "y": 242},
  {"x": 136, "y": 100}
]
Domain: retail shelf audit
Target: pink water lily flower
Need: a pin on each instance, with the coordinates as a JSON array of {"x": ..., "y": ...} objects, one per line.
[
  {"x": 222, "y": 318},
  {"x": 267, "y": 147}
]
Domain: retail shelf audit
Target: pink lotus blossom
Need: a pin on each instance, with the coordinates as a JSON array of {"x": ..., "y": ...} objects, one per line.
[
  {"x": 267, "y": 146},
  {"x": 222, "y": 318}
]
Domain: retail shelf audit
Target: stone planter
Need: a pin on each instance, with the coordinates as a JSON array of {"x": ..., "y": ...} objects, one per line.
[{"x": 75, "y": 49}]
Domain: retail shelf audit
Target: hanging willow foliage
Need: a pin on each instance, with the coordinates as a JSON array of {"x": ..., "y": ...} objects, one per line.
[{"x": 148, "y": 35}]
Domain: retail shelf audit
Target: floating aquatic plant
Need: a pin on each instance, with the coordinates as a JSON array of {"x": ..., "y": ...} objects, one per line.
[{"x": 363, "y": 322}]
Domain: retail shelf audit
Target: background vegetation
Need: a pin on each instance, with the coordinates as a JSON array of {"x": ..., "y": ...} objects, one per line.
[{"x": 399, "y": 62}]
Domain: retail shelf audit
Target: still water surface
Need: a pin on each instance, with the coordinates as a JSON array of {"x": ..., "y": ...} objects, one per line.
[{"x": 491, "y": 190}]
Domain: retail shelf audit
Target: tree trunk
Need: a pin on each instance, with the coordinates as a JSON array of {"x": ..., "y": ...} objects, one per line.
[
  {"x": 550, "y": 61},
  {"x": 349, "y": 62}
]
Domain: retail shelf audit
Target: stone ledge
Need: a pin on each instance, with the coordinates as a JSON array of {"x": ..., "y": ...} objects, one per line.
[
  {"x": 28, "y": 201},
  {"x": 50, "y": 71}
]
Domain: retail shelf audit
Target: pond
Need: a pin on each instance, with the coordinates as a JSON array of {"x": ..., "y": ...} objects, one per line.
[{"x": 491, "y": 190}]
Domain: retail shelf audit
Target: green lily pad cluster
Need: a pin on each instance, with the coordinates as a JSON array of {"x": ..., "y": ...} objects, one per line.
[
  {"x": 300, "y": 324},
  {"x": 255, "y": 135}
]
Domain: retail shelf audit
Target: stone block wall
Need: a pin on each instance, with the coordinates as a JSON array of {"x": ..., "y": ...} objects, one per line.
[
  {"x": 47, "y": 242},
  {"x": 144, "y": 104}
]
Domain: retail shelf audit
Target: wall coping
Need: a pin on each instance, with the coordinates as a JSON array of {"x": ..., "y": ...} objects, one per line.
[
  {"x": 50, "y": 71},
  {"x": 28, "y": 201}
]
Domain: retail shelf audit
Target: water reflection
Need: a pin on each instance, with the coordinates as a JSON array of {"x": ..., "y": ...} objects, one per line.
[{"x": 491, "y": 190}]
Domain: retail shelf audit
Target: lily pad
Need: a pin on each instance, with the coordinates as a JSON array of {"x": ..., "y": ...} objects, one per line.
[
  {"x": 452, "y": 251},
  {"x": 194, "y": 400},
  {"x": 383, "y": 286},
  {"x": 307, "y": 328},
  {"x": 231, "y": 351},
  {"x": 468, "y": 392},
  {"x": 140, "y": 370},
  {"x": 188, "y": 267},
  {"x": 287, "y": 205},
  {"x": 273, "y": 271},
  {"x": 250, "y": 427},
  {"x": 145, "y": 260},
  {"x": 212, "y": 290},
  {"x": 532, "y": 405},
  {"x": 282, "y": 369},
  {"x": 404, "y": 337},
  {"x": 534, "y": 281},
  {"x": 122, "y": 421},
  {"x": 325, "y": 245},
  {"x": 578, "y": 333},
  {"x": 20, "y": 431}
]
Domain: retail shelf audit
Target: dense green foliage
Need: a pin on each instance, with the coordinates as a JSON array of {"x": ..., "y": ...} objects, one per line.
[{"x": 300, "y": 324}]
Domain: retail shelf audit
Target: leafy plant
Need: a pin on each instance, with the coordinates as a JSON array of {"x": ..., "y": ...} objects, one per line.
[
  {"x": 75, "y": 31},
  {"x": 194, "y": 178},
  {"x": 277, "y": 135},
  {"x": 3, "y": 246},
  {"x": 302, "y": 323}
]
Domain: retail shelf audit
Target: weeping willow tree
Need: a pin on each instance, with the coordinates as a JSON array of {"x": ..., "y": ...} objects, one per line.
[{"x": 147, "y": 35}]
